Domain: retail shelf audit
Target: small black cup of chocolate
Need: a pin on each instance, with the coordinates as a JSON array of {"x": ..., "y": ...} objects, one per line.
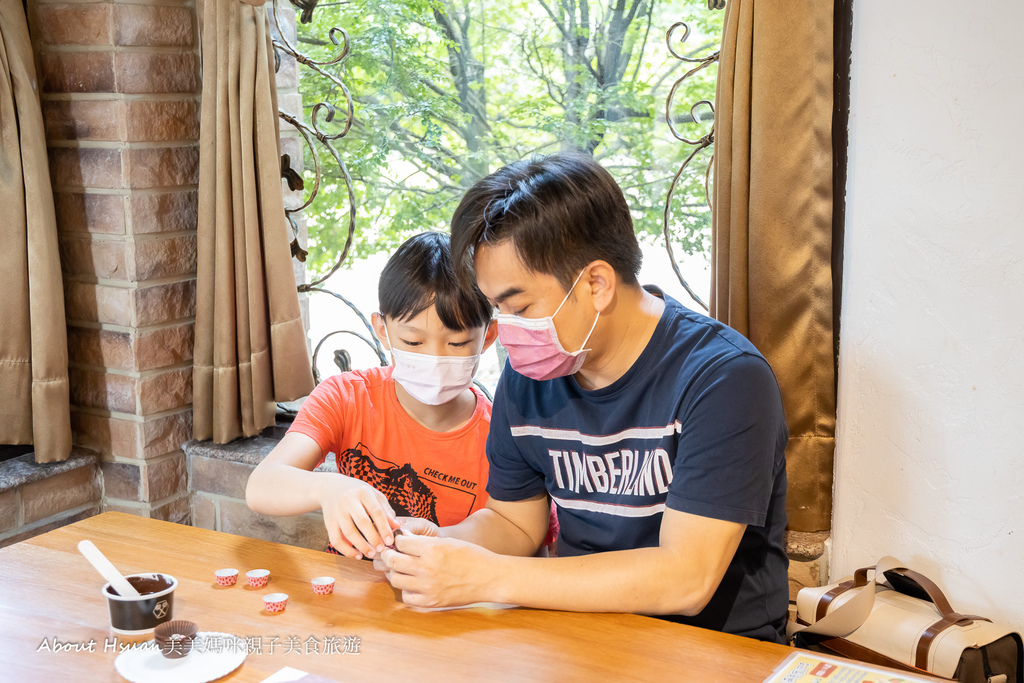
[{"x": 153, "y": 607}]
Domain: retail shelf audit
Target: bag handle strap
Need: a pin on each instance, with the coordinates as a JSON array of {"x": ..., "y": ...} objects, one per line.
[
  {"x": 934, "y": 593},
  {"x": 854, "y": 612}
]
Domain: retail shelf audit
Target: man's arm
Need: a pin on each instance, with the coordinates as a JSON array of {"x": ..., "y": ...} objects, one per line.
[
  {"x": 678, "y": 577},
  {"x": 507, "y": 528}
]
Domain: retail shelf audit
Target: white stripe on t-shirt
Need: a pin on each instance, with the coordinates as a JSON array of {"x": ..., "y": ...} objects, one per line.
[
  {"x": 610, "y": 508},
  {"x": 596, "y": 439}
]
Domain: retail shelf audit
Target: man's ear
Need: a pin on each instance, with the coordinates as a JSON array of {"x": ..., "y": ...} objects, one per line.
[
  {"x": 490, "y": 335},
  {"x": 602, "y": 282},
  {"x": 377, "y": 320}
]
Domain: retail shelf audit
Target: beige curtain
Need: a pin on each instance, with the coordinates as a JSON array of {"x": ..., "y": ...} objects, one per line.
[
  {"x": 250, "y": 348},
  {"x": 772, "y": 221},
  {"x": 34, "y": 403}
]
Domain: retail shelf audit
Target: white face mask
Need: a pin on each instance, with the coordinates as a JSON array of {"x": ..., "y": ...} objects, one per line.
[{"x": 432, "y": 380}]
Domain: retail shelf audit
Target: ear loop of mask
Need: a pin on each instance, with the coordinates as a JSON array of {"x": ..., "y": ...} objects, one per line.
[
  {"x": 384, "y": 324},
  {"x": 567, "y": 294},
  {"x": 584, "y": 344}
]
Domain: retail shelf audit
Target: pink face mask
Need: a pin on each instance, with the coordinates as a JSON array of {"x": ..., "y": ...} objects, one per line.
[{"x": 533, "y": 346}]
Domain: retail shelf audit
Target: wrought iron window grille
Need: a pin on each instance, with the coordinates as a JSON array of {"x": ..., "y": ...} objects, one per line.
[{"x": 312, "y": 134}]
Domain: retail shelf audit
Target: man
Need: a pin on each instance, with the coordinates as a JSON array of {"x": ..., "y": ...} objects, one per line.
[{"x": 659, "y": 433}]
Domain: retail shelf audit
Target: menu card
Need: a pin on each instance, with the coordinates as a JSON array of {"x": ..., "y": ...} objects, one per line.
[
  {"x": 292, "y": 675},
  {"x": 811, "y": 667}
]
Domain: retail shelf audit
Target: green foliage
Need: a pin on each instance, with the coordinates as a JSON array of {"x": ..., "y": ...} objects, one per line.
[{"x": 446, "y": 93}]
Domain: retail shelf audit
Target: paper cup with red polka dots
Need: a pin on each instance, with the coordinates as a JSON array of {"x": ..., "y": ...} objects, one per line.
[
  {"x": 258, "y": 578},
  {"x": 226, "y": 577},
  {"x": 323, "y": 585},
  {"x": 275, "y": 602}
]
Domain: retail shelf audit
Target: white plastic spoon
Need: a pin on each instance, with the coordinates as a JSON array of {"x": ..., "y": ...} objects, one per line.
[{"x": 107, "y": 570}]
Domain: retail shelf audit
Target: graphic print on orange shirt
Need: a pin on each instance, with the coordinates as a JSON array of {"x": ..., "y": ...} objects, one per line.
[{"x": 409, "y": 494}]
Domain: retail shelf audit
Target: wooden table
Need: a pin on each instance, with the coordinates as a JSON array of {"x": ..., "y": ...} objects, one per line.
[{"x": 48, "y": 590}]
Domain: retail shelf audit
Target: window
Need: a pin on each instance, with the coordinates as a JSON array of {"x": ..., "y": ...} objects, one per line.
[{"x": 444, "y": 93}]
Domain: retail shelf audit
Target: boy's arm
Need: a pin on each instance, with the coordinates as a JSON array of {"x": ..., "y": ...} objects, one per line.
[
  {"x": 678, "y": 577},
  {"x": 284, "y": 484}
]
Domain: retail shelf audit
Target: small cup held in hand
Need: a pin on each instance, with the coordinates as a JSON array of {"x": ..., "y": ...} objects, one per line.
[
  {"x": 396, "y": 533},
  {"x": 226, "y": 577},
  {"x": 323, "y": 585},
  {"x": 275, "y": 602},
  {"x": 258, "y": 578}
]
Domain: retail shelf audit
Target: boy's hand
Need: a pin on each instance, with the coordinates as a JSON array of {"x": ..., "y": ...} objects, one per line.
[{"x": 358, "y": 517}]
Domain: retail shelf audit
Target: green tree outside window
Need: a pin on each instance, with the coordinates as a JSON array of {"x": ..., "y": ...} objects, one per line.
[{"x": 447, "y": 92}]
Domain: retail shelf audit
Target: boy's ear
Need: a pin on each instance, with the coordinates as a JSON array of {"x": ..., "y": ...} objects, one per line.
[
  {"x": 490, "y": 335},
  {"x": 377, "y": 320}
]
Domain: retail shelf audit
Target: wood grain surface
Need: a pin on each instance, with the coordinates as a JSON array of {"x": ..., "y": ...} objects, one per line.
[{"x": 50, "y": 591}]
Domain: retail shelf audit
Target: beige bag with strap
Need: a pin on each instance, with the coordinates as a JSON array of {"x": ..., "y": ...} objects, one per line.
[{"x": 901, "y": 619}]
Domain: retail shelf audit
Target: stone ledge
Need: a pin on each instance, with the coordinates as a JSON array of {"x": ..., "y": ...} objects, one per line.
[
  {"x": 805, "y": 546},
  {"x": 25, "y": 470},
  {"x": 249, "y": 451},
  {"x": 23, "y": 533}
]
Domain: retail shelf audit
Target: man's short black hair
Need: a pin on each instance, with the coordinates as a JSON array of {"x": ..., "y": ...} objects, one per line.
[
  {"x": 561, "y": 213},
  {"x": 421, "y": 273}
]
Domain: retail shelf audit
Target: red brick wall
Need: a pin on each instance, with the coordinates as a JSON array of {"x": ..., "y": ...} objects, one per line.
[
  {"x": 119, "y": 84},
  {"x": 120, "y": 90}
]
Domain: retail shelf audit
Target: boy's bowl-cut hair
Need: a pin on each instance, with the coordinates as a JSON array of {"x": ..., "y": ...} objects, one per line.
[
  {"x": 561, "y": 213},
  {"x": 421, "y": 273}
]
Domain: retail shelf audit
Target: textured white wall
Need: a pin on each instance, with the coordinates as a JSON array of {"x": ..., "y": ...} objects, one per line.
[{"x": 930, "y": 439}]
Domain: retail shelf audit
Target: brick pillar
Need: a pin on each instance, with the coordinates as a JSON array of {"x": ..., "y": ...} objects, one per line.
[{"x": 120, "y": 95}]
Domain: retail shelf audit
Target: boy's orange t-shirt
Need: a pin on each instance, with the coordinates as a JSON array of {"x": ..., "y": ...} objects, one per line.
[{"x": 439, "y": 476}]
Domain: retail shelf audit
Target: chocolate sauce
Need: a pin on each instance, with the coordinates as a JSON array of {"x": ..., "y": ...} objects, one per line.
[{"x": 146, "y": 585}]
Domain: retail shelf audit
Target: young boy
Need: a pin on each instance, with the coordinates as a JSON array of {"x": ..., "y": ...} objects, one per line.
[{"x": 408, "y": 438}]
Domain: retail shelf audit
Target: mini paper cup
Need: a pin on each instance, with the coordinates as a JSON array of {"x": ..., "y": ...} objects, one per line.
[
  {"x": 226, "y": 577},
  {"x": 258, "y": 577},
  {"x": 174, "y": 639},
  {"x": 275, "y": 602},
  {"x": 323, "y": 585}
]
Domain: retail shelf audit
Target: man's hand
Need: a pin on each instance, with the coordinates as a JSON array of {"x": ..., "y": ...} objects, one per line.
[
  {"x": 407, "y": 525},
  {"x": 418, "y": 527},
  {"x": 358, "y": 517},
  {"x": 439, "y": 572},
  {"x": 670, "y": 578}
]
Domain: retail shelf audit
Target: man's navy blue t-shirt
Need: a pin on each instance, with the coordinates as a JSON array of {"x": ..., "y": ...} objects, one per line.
[{"x": 696, "y": 424}]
